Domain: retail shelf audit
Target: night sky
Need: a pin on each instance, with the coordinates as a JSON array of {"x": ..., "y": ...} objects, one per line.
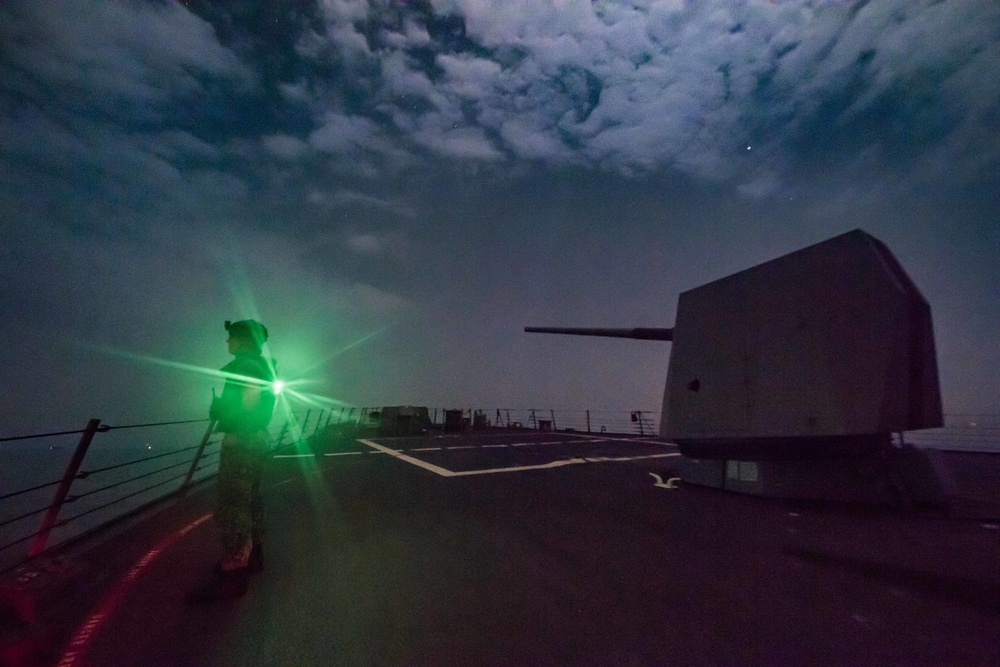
[{"x": 398, "y": 188}]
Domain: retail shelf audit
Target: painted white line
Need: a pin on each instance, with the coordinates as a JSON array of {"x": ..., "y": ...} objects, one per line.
[
  {"x": 553, "y": 464},
  {"x": 462, "y": 447},
  {"x": 293, "y": 456},
  {"x": 466, "y": 473},
  {"x": 409, "y": 459},
  {"x": 549, "y": 442},
  {"x": 343, "y": 453},
  {"x": 290, "y": 479},
  {"x": 602, "y": 459},
  {"x": 649, "y": 441},
  {"x": 427, "y": 449},
  {"x": 558, "y": 464},
  {"x": 483, "y": 446}
]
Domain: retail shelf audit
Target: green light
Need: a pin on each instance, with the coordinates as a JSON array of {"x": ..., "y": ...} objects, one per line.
[{"x": 278, "y": 386}]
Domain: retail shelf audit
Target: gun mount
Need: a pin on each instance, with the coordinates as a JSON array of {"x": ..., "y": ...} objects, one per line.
[
  {"x": 823, "y": 352},
  {"x": 635, "y": 334}
]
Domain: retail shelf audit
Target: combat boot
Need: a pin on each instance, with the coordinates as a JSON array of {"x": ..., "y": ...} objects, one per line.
[
  {"x": 225, "y": 585},
  {"x": 255, "y": 564}
]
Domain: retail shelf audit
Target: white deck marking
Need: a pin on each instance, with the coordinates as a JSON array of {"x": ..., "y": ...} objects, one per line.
[
  {"x": 648, "y": 441},
  {"x": 409, "y": 459},
  {"x": 342, "y": 453},
  {"x": 483, "y": 446},
  {"x": 602, "y": 459},
  {"x": 450, "y": 435},
  {"x": 462, "y": 447},
  {"x": 558, "y": 464},
  {"x": 465, "y": 473},
  {"x": 549, "y": 442},
  {"x": 541, "y": 466},
  {"x": 427, "y": 449},
  {"x": 293, "y": 456}
]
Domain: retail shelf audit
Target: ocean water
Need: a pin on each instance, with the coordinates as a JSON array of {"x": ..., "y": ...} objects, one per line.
[{"x": 101, "y": 495}]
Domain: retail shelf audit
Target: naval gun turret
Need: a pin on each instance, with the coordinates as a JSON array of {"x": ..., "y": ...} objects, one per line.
[{"x": 820, "y": 353}]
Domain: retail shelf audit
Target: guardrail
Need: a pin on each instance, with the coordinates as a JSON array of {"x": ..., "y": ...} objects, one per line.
[
  {"x": 155, "y": 473},
  {"x": 135, "y": 484}
]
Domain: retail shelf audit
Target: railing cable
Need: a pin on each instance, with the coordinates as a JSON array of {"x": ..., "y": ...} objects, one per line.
[
  {"x": 34, "y": 488},
  {"x": 185, "y": 421},
  {"x": 118, "y": 500},
  {"x": 84, "y": 473},
  {"x": 127, "y": 481},
  {"x": 100, "y": 429}
]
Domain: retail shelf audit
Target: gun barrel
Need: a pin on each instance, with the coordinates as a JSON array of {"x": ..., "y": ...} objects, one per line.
[{"x": 636, "y": 334}]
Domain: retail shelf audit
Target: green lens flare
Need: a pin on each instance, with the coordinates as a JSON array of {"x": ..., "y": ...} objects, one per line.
[{"x": 278, "y": 386}]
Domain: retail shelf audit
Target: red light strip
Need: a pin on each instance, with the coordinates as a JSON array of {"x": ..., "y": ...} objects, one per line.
[{"x": 83, "y": 637}]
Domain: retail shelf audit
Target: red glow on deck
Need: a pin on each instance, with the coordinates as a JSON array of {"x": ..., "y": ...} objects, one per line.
[{"x": 86, "y": 633}]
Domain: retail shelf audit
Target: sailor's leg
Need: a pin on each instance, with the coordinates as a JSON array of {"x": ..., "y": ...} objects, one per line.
[
  {"x": 260, "y": 459},
  {"x": 233, "y": 515}
]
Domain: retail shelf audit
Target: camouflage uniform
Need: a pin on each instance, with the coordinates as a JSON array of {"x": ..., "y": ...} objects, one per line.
[{"x": 240, "y": 512}]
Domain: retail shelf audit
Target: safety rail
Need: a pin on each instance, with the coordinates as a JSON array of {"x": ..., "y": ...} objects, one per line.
[
  {"x": 156, "y": 478},
  {"x": 963, "y": 432},
  {"x": 620, "y": 422}
]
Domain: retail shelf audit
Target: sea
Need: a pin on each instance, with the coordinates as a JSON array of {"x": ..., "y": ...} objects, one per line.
[{"x": 123, "y": 470}]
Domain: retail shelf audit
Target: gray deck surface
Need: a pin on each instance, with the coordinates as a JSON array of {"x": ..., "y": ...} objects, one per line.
[{"x": 440, "y": 559}]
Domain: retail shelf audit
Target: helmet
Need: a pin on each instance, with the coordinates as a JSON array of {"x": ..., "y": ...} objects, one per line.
[{"x": 248, "y": 330}]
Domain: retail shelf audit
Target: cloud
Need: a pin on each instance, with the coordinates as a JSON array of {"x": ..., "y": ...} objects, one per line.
[
  {"x": 646, "y": 86},
  {"x": 365, "y": 244},
  {"x": 121, "y": 58},
  {"x": 341, "y": 133},
  {"x": 350, "y": 198},
  {"x": 285, "y": 147}
]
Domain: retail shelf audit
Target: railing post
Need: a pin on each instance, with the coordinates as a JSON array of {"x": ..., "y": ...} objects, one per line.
[
  {"x": 281, "y": 435},
  {"x": 318, "y": 420},
  {"x": 642, "y": 431},
  {"x": 552, "y": 413},
  {"x": 197, "y": 455},
  {"x": 588, "y": 421},
  {"x": 49, "y": 522},
  {"x": 302, "y": 430}
]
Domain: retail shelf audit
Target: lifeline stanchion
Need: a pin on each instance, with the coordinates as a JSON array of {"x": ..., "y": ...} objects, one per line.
[
  {"x": 38, "y": 545},
  {"x": 302, "y": 429},
  {"x": 281, "y": 435},
  {"x": 197, "y": 455}
]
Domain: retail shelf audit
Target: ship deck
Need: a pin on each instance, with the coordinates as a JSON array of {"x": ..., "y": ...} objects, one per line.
[{"x": 532, "y": 548}]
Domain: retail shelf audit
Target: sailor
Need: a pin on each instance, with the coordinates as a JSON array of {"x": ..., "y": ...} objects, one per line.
[{"x": 242, "y": 413}]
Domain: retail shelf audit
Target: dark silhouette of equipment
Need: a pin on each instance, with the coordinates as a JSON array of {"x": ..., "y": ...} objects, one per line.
[
  {"x": 823, "y": 352},
  {"x": 637, "y": 334}
]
